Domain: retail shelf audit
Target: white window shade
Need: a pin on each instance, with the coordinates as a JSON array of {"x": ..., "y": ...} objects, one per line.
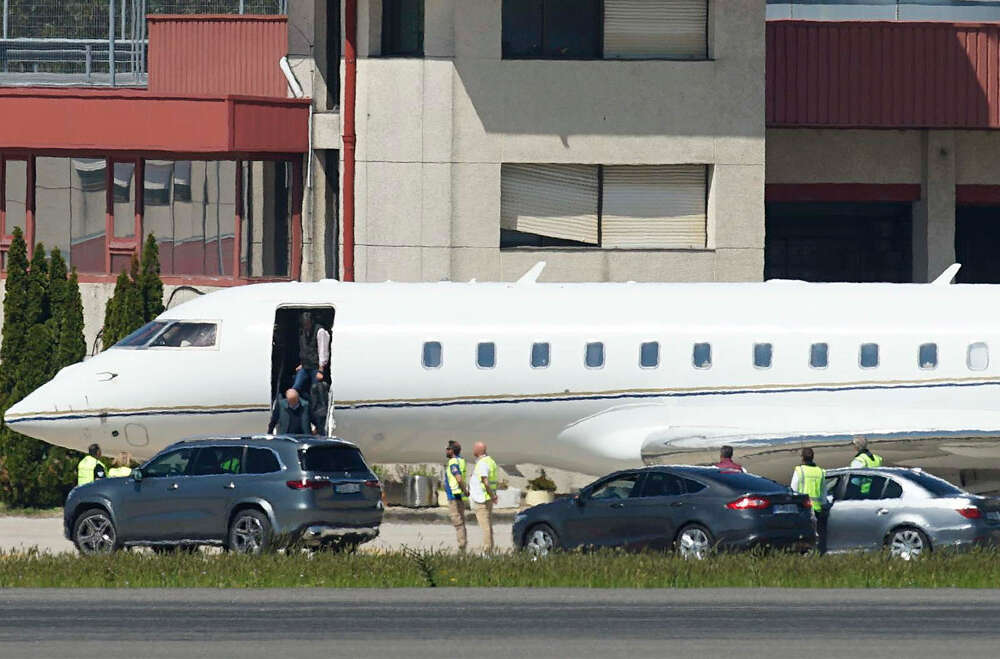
[
  {"x": 558, "y": 201},
  {"x": 655, "y": 29},
  {"x": 654, "y": 206}
]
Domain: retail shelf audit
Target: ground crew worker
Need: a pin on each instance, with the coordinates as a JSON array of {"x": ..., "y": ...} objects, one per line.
[
  {"x": 457, "y": 491},
  {"x": 864, "y": 459},
  {"x": 90, "y": 468},
  {"x": 483, "y": 491},
  {"x": 810, "y": 480},
  {"x": 122, "y": 466}
]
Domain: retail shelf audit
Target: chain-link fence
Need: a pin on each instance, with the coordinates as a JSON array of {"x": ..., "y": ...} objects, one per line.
[{"x": 93, "y": 41}]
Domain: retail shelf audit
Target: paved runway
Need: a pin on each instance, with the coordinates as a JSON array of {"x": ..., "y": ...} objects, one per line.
[{"x": 499, "y": 623}]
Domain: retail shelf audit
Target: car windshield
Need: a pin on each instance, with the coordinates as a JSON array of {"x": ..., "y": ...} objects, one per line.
[
  {"x": 332, "y": 459},
  {"x": 936, "y": 486},
  {"x": 141, "y": 336},
  {"x": 741, "y": 482}
]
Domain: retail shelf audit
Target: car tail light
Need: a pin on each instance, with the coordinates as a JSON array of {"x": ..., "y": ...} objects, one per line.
[
  {"x": 307, "y": 484},
  {"x": 749, "y": 503},
  {"x": 372, "y": 484},
  {"x": 970, "y": 513},
  {"x": 807, "y": 503}
]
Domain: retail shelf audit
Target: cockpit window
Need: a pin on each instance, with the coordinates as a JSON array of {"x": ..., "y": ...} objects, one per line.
[
  {"x": 141, "y": 336},
  {"x": 186, "y": 335}
]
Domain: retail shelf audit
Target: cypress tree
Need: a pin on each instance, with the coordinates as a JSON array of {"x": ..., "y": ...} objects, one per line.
[
  {"x": 130, "y": 311},
  {"x": 71, "y": 347},
  {"x": 38, "y": 288},
  {"x": 15, "y": 323},
  {"x": 149, "y": 280}
]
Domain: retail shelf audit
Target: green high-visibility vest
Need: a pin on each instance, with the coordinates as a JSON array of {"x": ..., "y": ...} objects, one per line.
[
  {"x": 85, "y": 470},
  {"x": 119, "y": 472},
  {"x": 453, "y": 486},
  {"x": 491, "y": 478},
  {"x": 871, "y": 461},
  {"x": 810, "y": 483}
]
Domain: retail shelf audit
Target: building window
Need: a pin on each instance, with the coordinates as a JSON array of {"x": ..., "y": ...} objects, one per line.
[
  {"x": 539, "y": 355},
  {"x": 594, "y": 357},
  {"x": 610, "y": 29},
  {"x": 654, "y": 206},
  {"x": 551, "y": 29},
  {"x": 762, "y": 354},
  {"x": 267, "y": 217},
  {"x": 54, "y": 210},
  {"x": 649, "y": 354},
  {"x": 819, "y": 355},
  {"x": 432, "y": 354},
  {"x": 403, "y": 28},
  {"x": 928, "y": 356},
  {"x": 701, "y": 355},
  {"x": 978, "y": 357},
  {"x": 486, "y": 355},
  {"x": 868, "y": 355}
]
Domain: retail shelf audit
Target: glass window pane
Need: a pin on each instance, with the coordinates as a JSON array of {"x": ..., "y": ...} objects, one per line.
[
  {"x": 819, "y": 355},
  {"x": 160, "y": 201},
  {"x": 869, "y": 355},
  {"x": 186, "y": 335},
  {"x": 978, "y": 357},
  {"x": 432, "y": 354},
  {"x": 620, "y": 487},
  {"x": 928, "y": 357},
  {"x": 261, "y": 461},
  {"x": 522, "y": 28},
  {"x": 16, "y": 189},
  {"x": 220, "y": 217},
  {"x": 539, "y": 355},
  {"x": 893, "y": 490},
  {"x": 595, "y": 355},
  {"x": 403, "y": 28},
  {"x": 141, "y": 336},
  {"x": 571, "y": 29},
  {"x": 173, "y": 463},
  {"x": 661, "y": 484},
  {"x": 762, "y": 353},
  {"x": 124, "y": 196},
  {"x": 89, "y": 210},
  {"x": 267, "y": 212},
  {"x": 486, "y": 355},
  {"x": 215, "y": 460},
  {"x": 649, "y": 354},
  {"x": 702, "y": 355},
  {"x": 54, "y": 204}
]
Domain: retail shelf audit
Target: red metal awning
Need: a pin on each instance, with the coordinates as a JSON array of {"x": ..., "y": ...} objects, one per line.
[{"x": 106, "y": 121}]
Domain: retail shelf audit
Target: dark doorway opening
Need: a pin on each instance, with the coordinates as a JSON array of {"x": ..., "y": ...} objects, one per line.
[
  {"x": 839, "y": 241},
  {"x": 285, "y": 345},
  {"x": 977, "y": 239}
]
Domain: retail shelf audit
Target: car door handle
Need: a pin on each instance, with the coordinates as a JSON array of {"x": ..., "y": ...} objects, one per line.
[
  {"x": 618, "y": 505},
  {"x": 173, "y": 486},
  {"x": 231, "y": 486},
  {"x": 677, "y": 504},
  {"x": 882, "y": 511}
]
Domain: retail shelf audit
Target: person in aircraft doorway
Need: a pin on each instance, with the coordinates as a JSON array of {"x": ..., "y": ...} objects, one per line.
[
  {"x": 290, "y": 415},
  {"x": 314, "y": 354}
]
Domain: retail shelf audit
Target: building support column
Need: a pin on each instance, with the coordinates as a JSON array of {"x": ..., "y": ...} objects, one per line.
[{"x": 934, "y": 214}]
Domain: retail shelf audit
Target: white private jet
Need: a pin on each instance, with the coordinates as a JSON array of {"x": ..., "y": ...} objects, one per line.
[{"x": 587, "y": 377}]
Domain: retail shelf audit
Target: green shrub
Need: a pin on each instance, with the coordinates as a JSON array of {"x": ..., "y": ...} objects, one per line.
[{"x": 542, "y": 483}]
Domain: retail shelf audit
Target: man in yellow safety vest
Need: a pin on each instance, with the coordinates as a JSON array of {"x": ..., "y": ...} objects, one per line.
[
  {"x": 483, "y": 492},
  {"x": 810, "y": 480},
  {"x": 864, "y": 459},
  {"x": 457, "y": 490},
  {"x": 90, "y": 468}
]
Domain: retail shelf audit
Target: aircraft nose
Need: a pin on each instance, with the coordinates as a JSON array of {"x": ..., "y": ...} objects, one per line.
[{"x": 47, "y": 413}]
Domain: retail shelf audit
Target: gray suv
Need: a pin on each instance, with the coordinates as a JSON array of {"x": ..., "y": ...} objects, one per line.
[{"x": 248, "y": 494}]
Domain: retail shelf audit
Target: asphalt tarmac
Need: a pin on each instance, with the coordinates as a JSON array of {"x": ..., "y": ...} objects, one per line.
[{"x": 498, "y": 623}]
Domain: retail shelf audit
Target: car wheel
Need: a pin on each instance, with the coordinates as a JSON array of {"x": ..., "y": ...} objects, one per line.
[
  {"x": 250, "y": 532},
  {"x": 907, "y": 543},
  {"x": 694, "y": 542},
  {"x": 95, "y": 533},
  {"x": 541, "y": 540}
]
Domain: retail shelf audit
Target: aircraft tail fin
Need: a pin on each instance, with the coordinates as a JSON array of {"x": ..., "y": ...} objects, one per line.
[{"x": 946, "y": 277}]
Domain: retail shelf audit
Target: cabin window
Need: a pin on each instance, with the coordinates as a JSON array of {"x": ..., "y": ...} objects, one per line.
[
  {"x": 868, "y": 355},
  {"x": 141, "y": 336},
  {"x": 649, "y": 354},
  {"x": 432, "y": 354},
  {"x": 595, "y": 355},
  {"x": 927, "y": 357},
  {"x": 978, "y": 357},
  {"x": 186, "y": 335},
  {"x": 539, "y": 355},
  {"x": 486, "y": 355},
  {"x": 762, "y": 353},
  {"x": 701, "y": 356},
  {"x": 819, "y": 355}
]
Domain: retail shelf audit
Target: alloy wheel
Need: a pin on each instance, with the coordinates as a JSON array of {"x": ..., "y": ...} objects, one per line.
[
  {"x": 540, "y": 542},
  {"x": 96, "y": 535},
  {"x": 694, "y": 543},
  {"x": 248, "y": 535},
  {"x": 907, "y": 544}
]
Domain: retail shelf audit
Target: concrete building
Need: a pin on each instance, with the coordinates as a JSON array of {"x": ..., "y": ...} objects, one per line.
[{"x": 648, "y": 140}]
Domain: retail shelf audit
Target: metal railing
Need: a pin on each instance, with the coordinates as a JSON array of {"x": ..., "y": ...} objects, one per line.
[{"x": 93, "y": 42}]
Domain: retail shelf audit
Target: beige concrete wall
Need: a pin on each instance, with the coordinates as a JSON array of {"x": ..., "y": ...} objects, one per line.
[
  {"x": 831, "y": 155},
  {"x": 433, "y": 132}
]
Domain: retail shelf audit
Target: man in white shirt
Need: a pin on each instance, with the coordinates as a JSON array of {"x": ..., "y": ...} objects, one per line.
[{"x": 483, "y": 492}]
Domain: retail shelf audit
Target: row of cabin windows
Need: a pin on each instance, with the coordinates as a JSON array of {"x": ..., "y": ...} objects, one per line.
[{"x": 977, "y": 355}]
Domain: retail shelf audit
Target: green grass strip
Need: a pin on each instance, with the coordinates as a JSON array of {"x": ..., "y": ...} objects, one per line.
[{"x": 978, "y": 569}]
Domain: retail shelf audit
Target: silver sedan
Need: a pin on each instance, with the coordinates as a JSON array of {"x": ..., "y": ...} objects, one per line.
[{"x": 907, "y": 511}]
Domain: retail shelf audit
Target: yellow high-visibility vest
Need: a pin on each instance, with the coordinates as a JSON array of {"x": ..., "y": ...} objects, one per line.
[{"x": 810, "y": 483}]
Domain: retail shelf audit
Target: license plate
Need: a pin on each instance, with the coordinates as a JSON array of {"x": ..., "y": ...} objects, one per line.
[
  {"x": 785, "y": 508},
  {"x": 993, "y": 515},
  {"x": 347, "y": 488}
]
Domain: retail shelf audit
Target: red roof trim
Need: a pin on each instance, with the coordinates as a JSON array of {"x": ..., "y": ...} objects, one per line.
[{"x": 985, "y": 195}]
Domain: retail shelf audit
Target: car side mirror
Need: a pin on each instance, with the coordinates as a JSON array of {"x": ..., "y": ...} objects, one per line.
[
  {"x": 137, "y": 475},
  {"x": 578, "y": 500}
]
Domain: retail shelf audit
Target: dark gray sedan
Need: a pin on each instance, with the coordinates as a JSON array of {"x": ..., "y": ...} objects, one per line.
[
  {"x": 907, "y": 511},
  {"x": 691, "y": 509},
  {"x": 247, "y": 494}
]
